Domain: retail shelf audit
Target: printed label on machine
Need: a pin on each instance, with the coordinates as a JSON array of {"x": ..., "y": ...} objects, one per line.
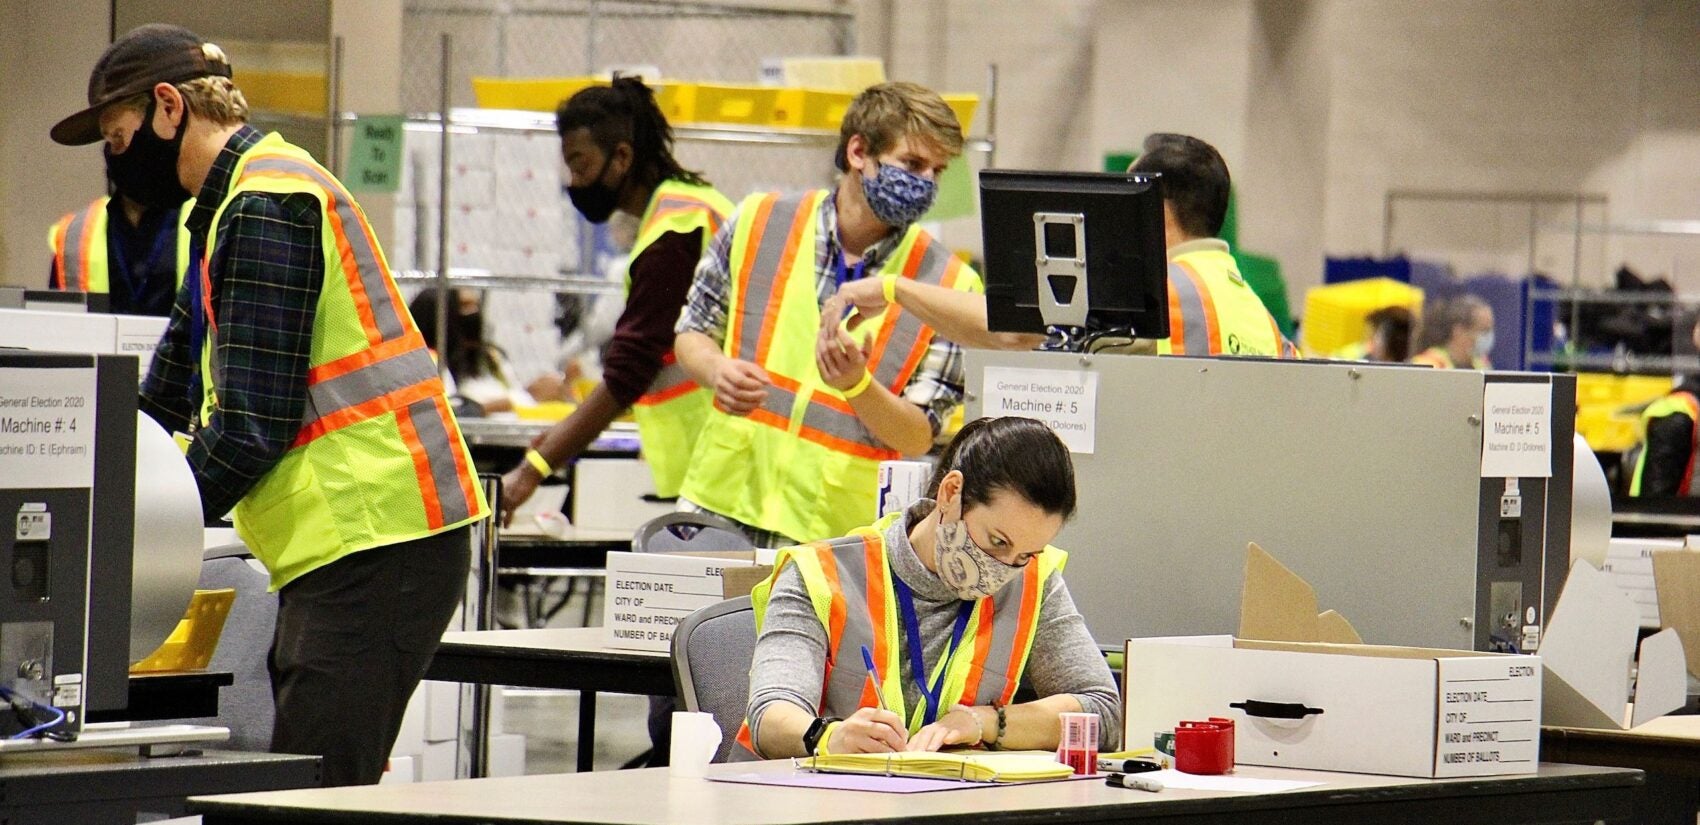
[
  {"x": 1066, "y": 400},
  {"x": 47, "y": 427},
  {"x": 1516, "y": 430},
  {"x": 1490, "y": 713}
]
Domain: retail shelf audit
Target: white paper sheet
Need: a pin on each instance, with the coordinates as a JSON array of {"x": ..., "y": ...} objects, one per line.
[{"x": 1225, "y": 782}]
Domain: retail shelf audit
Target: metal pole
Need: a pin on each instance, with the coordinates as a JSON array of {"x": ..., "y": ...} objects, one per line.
[
  {"x": 1576, "y": 281},
  {"x": 590, "y": 38},
  {"x": 1387, "y": 225},
  {"x": 443, "y": 208},
  {"x": 991, "y": 115},
  {"x": 1534, "y": 210},
  {"x": 333, "y": 96}
]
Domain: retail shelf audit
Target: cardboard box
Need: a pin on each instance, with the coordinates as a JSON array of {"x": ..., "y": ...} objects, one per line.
[
  {"x": 1590, "y": 641},
  {"x": 1359, "y": 708},
  {"x": 608, "y": 494},
  {"x": 648, "y": 593},
  {"x": 1304, "y": 692}
]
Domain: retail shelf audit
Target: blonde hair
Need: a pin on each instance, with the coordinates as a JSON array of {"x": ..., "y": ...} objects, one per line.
[
  {"x": 889, "y": 112},
  {"x": 215, "y": 99}
]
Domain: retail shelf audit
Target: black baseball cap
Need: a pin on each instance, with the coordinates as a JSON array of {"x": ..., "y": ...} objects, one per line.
[{"x": 133, "y": 64}]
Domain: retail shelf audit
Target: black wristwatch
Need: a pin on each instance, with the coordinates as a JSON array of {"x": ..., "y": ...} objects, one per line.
[{"x": 817, "y": 728}]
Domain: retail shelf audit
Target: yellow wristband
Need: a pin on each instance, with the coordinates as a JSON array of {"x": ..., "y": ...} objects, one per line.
[
  {"x": 539, "y": 463},
  {"x": 825, "y": 737},
  {"x": 861, "y": 386},
  {"x": 888, "y": 286}
]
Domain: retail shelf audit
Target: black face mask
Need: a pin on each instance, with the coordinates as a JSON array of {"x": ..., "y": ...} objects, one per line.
[
  {"x": 596, "y": 200},
  {"x": 146, "y": 171}
]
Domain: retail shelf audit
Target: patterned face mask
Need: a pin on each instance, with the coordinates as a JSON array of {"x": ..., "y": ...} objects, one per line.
[
  {"x": 964, "y": 567},
  {"x": 897, "y": 196}
]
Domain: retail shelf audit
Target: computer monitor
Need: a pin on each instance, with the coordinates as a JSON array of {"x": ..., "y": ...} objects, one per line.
[{"x": 1077, "y": 251}]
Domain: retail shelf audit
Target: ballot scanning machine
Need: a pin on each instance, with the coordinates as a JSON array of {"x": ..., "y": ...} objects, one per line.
[
  {"x": 101, "y": 544},
  {"x": 1431, "y": 506}
]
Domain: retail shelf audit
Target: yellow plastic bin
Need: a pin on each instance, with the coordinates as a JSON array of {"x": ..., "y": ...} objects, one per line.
[
  {"x": 811, "y": 108},
  {"x": 191, "y": 644},
  {"x": 1334, "y": 314},
  {"x": 730, "y": 103},
  {"x": 964, "y": 106},
  {"x": 531, "y": 94}
]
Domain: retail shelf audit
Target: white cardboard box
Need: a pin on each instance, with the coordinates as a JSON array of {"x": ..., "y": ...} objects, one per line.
[
  {"x": 648, "y": 593},
  {"x": 609, "y": 494},
  {"x": 1385, "y": 710}
]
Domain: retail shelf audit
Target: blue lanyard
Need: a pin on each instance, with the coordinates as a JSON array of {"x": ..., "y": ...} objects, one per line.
[
  {"x": 917, "y": 659},
  {"x": 193, "y": 282},
  {"x": 843, "y": 273}
]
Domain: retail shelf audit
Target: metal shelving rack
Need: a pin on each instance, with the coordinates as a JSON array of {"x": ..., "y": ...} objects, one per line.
[{"x": 1576, "y": 295}]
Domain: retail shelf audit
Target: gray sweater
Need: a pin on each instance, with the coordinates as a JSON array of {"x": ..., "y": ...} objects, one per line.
[{"x": 790, "y": 655}]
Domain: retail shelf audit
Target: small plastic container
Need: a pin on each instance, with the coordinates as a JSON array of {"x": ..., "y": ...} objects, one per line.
[
  {"x": 1205, "y": 747},
  {"x": 1078, "y": 746}
]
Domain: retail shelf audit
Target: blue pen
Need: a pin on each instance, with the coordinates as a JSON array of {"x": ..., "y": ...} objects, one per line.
[{"x": 874, "y": 673}]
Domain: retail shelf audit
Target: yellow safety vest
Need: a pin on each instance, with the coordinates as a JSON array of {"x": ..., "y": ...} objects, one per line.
[
  {"x": 1212, "y": 311},
  {"x": 379, "y": 459},
  {"x": 80, "y": 253},
  {"x": 670, "y": 414},
  {"x": 802, "y": 464},
  {"x": 849, "y": 584},
  {"x": 1677, "y": 403},
  {"x": 1440, "y": 359}
]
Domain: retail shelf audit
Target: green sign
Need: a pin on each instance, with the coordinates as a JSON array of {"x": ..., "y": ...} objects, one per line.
[
  {"x": 956, "y": 193},
  {"x": 374, "y": 161}
]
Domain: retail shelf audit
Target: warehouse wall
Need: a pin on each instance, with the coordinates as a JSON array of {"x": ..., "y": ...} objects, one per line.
[
  {"x": 1322, "y": 106},
  {"x": 46, "y": 51}
]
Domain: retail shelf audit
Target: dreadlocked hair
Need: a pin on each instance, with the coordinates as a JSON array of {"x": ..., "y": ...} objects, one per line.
[{"x": 625, "y": 112}]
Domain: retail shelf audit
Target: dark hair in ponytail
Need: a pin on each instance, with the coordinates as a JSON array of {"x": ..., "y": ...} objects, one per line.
[
  {"x": 1017, "y": 454},
  {"x": 625, "y": 112}
]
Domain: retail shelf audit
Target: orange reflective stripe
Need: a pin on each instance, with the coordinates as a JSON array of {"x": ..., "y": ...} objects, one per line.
[
  {"x": 781, "y": 277},
  {"x": 1025, "y": 623},
  {"x": 85, "y": 246},
  {"x": 366, "y": 357},
  {"x": 666, "y": 395},
  {"x": 835, "y": 615},
  {"x": 1212, "y": 324},
  {"x": 369, "y": 409},
  {"x": 752, "y": 245},
  {"x": 60, "y": 230},
  {"x": 874, "y": 554},
  {"x": 421, "y": 468},
  {"x": 982, "y": 649},
  {"x": 1177, "y": 325}
]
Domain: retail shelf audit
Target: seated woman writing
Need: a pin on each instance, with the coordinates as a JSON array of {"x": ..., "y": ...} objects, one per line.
[{"x": 956, "y": 601}]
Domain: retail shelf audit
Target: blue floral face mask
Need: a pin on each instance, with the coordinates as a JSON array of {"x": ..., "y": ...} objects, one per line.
[{"x": 897, "y": 196}]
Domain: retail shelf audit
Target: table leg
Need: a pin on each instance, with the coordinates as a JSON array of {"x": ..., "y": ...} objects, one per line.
[{"x": 586, "y": 730}]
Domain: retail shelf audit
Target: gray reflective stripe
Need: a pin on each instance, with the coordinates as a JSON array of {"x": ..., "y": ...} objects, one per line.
[
  {"x": 76, "y": 266},
  {"x": 441, "y": 449},
  {"x": 371, "y": 275},
  {"x": 1006, "y": 627},
  {"x": 844, "y": 689},
  {"x": 935, "y": 260},
  {"x": 373, "y": 381},
  {"x": 1195, "y": 332},
  {"x": 820, "y": 417},
  {"x": 757, "y": 284},
  {"x": 668, "y": 377}
]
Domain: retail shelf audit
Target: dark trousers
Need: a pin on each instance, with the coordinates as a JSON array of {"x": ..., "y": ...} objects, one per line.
[{"x": 353, "y": 640}]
